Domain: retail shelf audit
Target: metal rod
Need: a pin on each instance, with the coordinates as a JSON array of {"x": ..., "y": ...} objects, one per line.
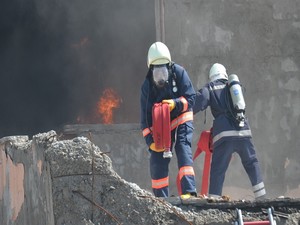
[
  {"x": 270, "y": 214},
  {"x": 160, "y": 20},
  {"x": 240, "y": 217}
]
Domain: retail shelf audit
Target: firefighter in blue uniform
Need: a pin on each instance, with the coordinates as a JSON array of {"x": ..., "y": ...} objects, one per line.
[
  {"x": 230, "y": 133},
  {"x": 169, "y": 82}
]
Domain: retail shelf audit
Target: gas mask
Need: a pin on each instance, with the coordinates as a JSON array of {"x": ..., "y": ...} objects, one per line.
[{"x": 160, "y": 75}]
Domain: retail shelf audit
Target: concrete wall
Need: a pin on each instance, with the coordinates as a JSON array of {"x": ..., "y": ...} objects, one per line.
[
  {"x": 258, "y": 41},
  {"x": 25, "y": 183}
]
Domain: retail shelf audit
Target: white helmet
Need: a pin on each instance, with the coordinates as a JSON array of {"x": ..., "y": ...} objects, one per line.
[
  {"x": 158, "y": 54},
  {"x": 217, "y": 71}
]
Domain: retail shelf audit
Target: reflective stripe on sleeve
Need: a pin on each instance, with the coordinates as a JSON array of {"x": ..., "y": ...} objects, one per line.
[
  {"x": 146, "y": 131},
  {"x": 184, "y": 117},
  {"x": 160, "y": 183},
  {"x": 233, "y": 133},
  {"x": 186, "y": 171},
  {"x": 217, "y": 87},
  {"x": 185, "y": 103}
]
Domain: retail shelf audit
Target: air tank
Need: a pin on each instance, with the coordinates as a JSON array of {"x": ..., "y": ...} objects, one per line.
[{"x": 237, "y": 98}]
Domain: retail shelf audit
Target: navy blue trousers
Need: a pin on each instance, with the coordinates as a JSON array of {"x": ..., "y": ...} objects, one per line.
[
  {"x": 221, "y": 158},
  {"x": 159, "y": 166}
]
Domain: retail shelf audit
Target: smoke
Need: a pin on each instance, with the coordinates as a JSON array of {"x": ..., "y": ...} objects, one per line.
[{"x": 57, "y": 57}]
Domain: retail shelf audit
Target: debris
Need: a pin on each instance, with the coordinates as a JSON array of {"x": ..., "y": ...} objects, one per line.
[
  {"x": 87, "y": 191},
  {"x": 79, "y": 166}
]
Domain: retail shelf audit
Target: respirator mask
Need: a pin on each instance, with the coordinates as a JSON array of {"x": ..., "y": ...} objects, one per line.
[{"x": 160, "y": 75}]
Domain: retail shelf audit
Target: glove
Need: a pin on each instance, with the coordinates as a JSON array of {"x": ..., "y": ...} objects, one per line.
[
  {"x": 171, "y": 103},
  {"x": 153, "y": 148}
]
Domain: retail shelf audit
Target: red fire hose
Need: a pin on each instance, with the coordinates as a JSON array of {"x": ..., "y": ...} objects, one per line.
[{"x": 162, "y": 128}]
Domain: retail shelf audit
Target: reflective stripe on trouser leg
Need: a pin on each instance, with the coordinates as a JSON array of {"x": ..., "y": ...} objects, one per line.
[
  {"x": 186, "y": 176},
  {"x": 259, "y": 190},
  {"x": 160, "y": 187},
  {"x": 184, "y": 134},
  {"x": 159, "y": 169},
  {"x": 251, "y": 165}
]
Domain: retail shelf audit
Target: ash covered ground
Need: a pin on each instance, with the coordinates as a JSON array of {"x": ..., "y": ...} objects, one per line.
[{"x": 87, "y": 191}]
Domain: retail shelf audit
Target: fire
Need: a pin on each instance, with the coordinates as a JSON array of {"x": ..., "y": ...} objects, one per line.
[{"x": 106, "y": 104}]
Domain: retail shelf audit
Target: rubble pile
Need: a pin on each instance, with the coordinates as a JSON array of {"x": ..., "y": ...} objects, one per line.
[{"x": 87, "y": 191}]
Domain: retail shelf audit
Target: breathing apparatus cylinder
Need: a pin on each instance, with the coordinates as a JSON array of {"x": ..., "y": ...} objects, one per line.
[{"x": 237, "y": 98}]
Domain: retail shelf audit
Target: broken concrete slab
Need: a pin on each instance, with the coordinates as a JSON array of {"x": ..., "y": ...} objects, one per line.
[{"x": 25, "y": 181}]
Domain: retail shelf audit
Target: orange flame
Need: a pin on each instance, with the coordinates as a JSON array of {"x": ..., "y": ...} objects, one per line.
[{"x": 106, "y": 104}]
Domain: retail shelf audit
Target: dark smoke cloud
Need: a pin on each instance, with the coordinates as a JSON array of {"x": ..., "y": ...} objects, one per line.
[{"x": 57, "y": 57}]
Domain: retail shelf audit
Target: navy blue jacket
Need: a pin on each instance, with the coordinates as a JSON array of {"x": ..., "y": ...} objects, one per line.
[
  {"x": 216, "y": 95},
  {"x": 182, "y": 92}
]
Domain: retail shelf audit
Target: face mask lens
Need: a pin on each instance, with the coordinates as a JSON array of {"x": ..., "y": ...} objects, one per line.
[{"x": 160, "y": 75}]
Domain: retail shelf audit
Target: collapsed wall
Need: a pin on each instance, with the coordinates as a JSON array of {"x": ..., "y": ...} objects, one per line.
[
  {"x": 25, "y": 181},
  {"x": 50, "y": 181}
]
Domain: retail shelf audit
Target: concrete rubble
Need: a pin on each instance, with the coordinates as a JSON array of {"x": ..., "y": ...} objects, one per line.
[{"x": 87, "y": 191}]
